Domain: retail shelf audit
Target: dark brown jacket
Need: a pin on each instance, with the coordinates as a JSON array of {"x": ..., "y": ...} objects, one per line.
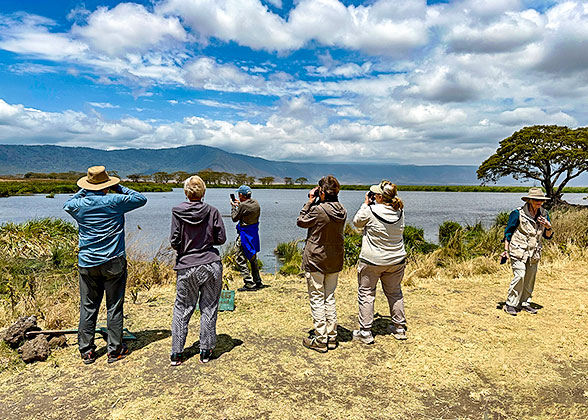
[{"x": 325, "y": 222}]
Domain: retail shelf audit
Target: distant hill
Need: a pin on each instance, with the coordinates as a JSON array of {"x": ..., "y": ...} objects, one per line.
[{"x": 16, "y": 159}]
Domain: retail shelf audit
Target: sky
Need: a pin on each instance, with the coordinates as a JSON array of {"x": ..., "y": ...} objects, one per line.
[{"x": 379, "y": 81}]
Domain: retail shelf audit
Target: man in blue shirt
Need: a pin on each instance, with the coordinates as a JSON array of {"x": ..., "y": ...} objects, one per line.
[{"x": 101, "y": 259}]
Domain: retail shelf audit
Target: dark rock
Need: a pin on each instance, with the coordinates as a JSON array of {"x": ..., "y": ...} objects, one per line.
[
  {"x": 15, "y": 334},
  {"x": 58, "y": 341},
  {"x": 36, "y": 350}
]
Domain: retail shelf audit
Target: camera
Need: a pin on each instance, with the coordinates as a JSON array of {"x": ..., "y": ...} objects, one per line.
[{"x": 371, "y": 197}]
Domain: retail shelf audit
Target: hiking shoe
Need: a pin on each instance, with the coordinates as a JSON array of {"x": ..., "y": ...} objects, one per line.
[
  {"x": 529, "y": 309},
  {"x": 363, "y": 336},
  {"x": 115, "y": 357},
  {"x": 248, "y": 288},
  {"x": 176, "y": 359},
  {"x": 511, "y": 310},
  {"x": 398, "y": 333},
  {"x": 205, "y": 356},
  {"x": 313, "y": 344},
  {"x": 332, "y": 344},
  {"x": 89, "y": 357}
]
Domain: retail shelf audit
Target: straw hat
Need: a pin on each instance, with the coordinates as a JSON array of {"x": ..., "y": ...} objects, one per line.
[
  {"x": 535, "y": 194},
  {"x": 97, "y": 179}
]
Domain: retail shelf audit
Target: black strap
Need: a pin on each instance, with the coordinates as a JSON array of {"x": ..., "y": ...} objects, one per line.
[{"x": 381, "y": 219}]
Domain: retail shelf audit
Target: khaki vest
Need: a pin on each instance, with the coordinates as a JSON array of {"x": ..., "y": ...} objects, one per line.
[{"x": 526, "y": 240}]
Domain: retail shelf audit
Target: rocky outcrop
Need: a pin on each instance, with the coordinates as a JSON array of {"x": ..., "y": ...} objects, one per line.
[{"x": 15, "y": 334}]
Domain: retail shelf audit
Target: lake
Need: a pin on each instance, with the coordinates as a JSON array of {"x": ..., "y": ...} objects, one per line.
[{"x": 148, "y": 227}]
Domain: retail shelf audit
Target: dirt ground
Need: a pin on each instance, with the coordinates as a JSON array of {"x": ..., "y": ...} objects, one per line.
[{"x": 464, "y": 359}]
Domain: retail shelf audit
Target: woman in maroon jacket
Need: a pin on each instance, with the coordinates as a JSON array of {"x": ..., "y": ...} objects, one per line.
[{"x": 196, "y": 228}]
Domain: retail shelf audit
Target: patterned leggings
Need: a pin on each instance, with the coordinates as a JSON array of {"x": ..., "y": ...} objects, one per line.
[{"x": 201, "y": 284}]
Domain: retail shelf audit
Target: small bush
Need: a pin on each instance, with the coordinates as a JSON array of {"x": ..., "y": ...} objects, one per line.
[
  {"x": 415, "y": 243},
  {"x": 352, "y": 246},
  {"x": 447, "y": 230}
]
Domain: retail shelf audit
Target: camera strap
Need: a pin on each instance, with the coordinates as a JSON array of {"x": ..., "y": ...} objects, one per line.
[{"x": 381, "y": 219}]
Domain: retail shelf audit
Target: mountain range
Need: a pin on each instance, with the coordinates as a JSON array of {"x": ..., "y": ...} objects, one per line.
[{"x": 19, "y": 159}]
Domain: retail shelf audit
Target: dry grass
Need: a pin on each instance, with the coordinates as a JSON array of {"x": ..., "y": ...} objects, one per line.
[{"x": 464, "y": 358}]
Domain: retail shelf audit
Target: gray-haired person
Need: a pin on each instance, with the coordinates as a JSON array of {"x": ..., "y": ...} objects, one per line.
[
  {"x": 382, "y": 257},
  {"x": 526, "y": 226},
  {"x": 322, "y": 259},
  {"x": 102, "y": 263},
  {"x": 196, "y": 228}
]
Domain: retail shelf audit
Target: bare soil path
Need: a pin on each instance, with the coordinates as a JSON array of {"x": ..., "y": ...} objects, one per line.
[{"x": 464, "y": 359}]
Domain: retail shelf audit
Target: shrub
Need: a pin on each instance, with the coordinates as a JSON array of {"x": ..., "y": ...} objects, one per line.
[
  {"x": 447, "y": 230},
  {"x": 415, "y": 243}
]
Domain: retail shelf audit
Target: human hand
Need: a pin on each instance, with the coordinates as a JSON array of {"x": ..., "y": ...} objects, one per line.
[
  {"x": 367, "y": 198},
  {"x": 313, "y": 194},
  {"x": 544, "y": 222}
]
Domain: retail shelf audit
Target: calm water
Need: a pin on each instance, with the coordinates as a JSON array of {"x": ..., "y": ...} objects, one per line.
[{"x": 148, "y": 227}]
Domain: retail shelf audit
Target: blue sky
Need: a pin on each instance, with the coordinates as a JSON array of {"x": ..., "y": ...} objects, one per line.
[{"x": 307, "y": 80}]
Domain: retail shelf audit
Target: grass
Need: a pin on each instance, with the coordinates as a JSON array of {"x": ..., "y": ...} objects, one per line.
[
  {"x": 464, "y": 359},
  {"x": 52, "y": 187},
  {"x": 10, "y": 187}
]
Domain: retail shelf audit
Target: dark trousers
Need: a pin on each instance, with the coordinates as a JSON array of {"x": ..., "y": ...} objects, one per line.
[
  {"x": 250, "y": 278},
  {"x": 110, "y": 277}
]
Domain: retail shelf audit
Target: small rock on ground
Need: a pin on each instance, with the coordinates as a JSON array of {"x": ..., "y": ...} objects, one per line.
[
  {"x": 58, "y": 341},
  {"x": 35, "y": 350}
]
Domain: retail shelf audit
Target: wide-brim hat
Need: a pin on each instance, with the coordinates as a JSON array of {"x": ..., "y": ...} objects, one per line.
[
  {"x": 97, "y": 179},
  {"x": 535, "y": 194}
]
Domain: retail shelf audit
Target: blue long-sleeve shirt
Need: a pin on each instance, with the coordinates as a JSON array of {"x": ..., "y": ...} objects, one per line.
[
  {"x": 101, "y": 222},
  {"x": 513, "y": 224}
]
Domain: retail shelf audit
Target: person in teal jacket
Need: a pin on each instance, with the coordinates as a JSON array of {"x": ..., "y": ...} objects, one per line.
[{"x": 101, "y": 260}]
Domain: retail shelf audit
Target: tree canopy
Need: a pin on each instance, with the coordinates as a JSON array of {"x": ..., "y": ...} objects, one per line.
[{"x": 550, "y": 154}]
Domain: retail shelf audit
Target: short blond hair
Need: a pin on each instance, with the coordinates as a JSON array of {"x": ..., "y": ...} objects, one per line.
[{"x": 194, "y": 188}]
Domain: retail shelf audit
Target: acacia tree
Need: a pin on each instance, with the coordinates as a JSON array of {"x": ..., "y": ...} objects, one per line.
[
  {"x": 550, "y": 154},
  {"x": 301, "y": 180}
]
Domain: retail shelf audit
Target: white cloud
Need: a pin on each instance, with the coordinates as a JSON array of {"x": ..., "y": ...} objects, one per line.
[
  {"x": 103, "y": 105},
  {"x": 29, "y": 35},
  {"x": 128, "y": 27},
  {"x": 534, "y": 115},
  {"x": 381, "y": 28}
]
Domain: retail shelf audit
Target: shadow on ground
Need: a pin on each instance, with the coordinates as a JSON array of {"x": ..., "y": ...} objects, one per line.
[
  {"x": 146, "y": 337},
  {"x": 224, "y": 344}
]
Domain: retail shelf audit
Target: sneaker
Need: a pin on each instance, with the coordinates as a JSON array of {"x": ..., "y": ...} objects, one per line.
[
  {"x": 115, "y": 357},
  {"x": 313, "y": 344},
  {"x": 398, "y": 333},
  {"x": 332, "y": 343},
  {"x": 176, "y": 359},
  {"x": 248, "y": 288},
  {"x": 205, "y": 356},
  {"x": 89, "y": 357},
  {"x": 511, "y": 310},
  {"x": 529, "y": 309},
  {"x": 363, "y": 336}
]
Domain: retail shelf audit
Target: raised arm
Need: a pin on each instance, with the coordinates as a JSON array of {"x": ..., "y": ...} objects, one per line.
[
  {"x": 129, "y": 199},
  {"x": 308, "y": 216}
]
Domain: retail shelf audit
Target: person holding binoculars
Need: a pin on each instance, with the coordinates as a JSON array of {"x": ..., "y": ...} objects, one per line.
[
  {"x": 382, "y": 257},
  {"x": 322, "y": 260}
]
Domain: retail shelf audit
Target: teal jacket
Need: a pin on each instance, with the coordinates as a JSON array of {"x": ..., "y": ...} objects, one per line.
[{"x": 101, "y": 222}]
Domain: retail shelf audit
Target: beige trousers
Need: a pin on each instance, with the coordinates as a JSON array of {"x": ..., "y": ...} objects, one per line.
[
  {"x": 391, "y": 277},
  {"x": 523, "y": 282},
  {"x": 321, "y": 293}
]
